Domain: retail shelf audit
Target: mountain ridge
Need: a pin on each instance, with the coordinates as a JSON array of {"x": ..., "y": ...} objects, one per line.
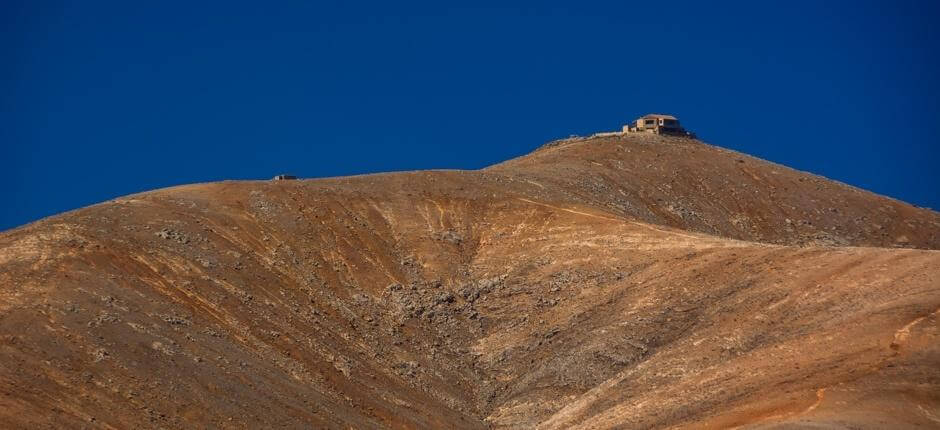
[{"x": 595, "y": 285}]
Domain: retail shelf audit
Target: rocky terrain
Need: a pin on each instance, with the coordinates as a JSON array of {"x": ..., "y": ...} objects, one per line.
[{"x": 618, "y": 282}]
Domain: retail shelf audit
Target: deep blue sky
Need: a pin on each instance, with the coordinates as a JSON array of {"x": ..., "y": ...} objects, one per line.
[{"x": 100, "y": 99}]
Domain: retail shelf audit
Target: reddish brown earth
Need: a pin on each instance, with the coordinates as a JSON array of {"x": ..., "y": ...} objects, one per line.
[{"x": 635, "y": 282}]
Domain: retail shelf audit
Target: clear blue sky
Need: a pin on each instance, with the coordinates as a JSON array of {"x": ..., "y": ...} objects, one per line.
[{"x": 101, "y": 99}]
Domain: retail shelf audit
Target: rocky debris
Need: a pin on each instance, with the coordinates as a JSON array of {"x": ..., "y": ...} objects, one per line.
[
  {"x": 261, "y": 205},
  {"x": 361, "y": 299},
  {"x": 546, "y": 302},
  {"x": 563, "y": 280},
  {"x": 205, "y": 262},
  {"x": 100, "y": 354},
  {"x": 822, "y": 238},
  {"x": 444, "y": 298},
  {"x": 170, "y": 234},
  {"x": 551, "y": 333},
  {"x": 71, "y": 308},
  {"x": 167, "y": 349},
  {"x": 407, "y": 368},
  {"x": 343, "y": 365},
  {"x": 472, "y": 292},
  {"x": 175, "y": 320},
  {"x": 426, "y": 300},
  {"x": 449, "y": 236},
  {"x": 103, "y": 317},
  {"x": 411, "y": 303},
  {"x": 683, "y": 211}
]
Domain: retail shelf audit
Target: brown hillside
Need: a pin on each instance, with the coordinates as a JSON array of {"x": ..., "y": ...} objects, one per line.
[
  {"x": 689, "y": 185},
  {"x": 605, "y": 283}
]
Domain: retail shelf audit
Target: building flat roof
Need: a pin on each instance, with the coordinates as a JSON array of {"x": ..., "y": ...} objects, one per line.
[{"x": 658, "y": 116}]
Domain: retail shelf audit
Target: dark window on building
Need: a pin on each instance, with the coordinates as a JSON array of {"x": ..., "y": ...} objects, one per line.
[{"x": 650, "y": 122}]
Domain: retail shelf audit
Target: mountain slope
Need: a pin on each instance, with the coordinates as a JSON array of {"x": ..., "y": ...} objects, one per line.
[
  {"x": 547, "y": 291},
  {"x": 685, "y": 184}
]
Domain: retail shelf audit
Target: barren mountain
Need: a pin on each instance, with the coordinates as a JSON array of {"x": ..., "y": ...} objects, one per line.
[{"x": 619, "y": 282}]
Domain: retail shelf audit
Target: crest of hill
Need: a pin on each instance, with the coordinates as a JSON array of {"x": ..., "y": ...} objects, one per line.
[{"x": 686, "y": 184}]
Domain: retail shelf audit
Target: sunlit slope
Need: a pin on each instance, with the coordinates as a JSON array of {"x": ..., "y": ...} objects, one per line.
[{"x": 527, "y": 295}]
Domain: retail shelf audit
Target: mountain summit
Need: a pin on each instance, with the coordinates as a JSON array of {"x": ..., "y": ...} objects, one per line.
[{"x": 623, "y": 281}]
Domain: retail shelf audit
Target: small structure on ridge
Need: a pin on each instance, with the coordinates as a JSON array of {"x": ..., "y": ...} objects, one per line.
[{"x": 656, "y": 123}]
